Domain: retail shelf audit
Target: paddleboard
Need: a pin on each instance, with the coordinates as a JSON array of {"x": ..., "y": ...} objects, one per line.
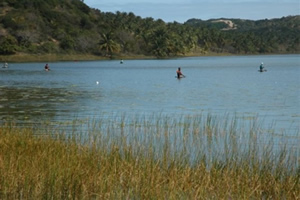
[{"x": 262, "y": 70}]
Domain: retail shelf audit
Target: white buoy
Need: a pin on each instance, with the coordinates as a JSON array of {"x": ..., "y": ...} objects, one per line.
[{"x": 97, "y": 82}]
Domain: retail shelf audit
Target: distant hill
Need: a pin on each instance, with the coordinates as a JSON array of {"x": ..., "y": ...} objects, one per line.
[
  {"x": 291, "y": 23},
  {"x": 71, "y": 27}
]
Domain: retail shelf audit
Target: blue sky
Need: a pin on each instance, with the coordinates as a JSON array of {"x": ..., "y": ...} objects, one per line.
[{"x": 182, "y": 10}]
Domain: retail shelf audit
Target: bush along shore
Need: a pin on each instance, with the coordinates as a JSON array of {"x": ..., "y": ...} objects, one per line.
[{"x": 153, "y": 157}]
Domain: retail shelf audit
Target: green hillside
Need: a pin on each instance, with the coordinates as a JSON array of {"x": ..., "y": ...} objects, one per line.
[{"x": 70, "y": 27}]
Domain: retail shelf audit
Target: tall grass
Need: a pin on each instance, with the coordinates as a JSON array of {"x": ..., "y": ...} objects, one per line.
[{"x": 147, "y": 157}]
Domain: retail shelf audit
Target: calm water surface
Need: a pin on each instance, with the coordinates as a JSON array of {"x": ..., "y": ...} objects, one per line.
[{"x": 216, "y": 85}]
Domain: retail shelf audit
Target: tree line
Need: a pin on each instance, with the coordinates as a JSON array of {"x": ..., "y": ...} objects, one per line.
[{"x": 71, "y": 27}]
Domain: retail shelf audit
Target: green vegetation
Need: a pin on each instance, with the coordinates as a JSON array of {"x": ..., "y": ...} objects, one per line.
[
  {"x": 70, "y": 27},
  {"x": 155, "y": 157}
]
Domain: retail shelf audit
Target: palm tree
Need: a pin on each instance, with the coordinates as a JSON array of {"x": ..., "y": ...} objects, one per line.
[
  {"x": 160, "y": 42},
  {"x": 108, "y": 44}
]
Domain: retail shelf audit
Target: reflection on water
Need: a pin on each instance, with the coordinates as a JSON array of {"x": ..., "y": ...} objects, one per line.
[{"x": 32, "y": 103}]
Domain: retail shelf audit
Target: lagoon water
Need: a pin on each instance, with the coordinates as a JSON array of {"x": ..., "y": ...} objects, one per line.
[{"x": 216, "y": 85}]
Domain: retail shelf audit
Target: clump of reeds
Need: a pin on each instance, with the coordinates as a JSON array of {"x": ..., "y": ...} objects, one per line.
[{"x": 154, "y": 157}]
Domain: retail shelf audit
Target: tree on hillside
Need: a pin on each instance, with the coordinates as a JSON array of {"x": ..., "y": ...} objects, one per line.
[
  {"x": 108, "y": 44},
  {"x": 70, "y": 26},
  {"x": 8, "y": 45}
]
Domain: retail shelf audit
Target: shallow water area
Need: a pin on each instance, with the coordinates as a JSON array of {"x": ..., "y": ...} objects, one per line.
[{"x": 219, "y": 86}]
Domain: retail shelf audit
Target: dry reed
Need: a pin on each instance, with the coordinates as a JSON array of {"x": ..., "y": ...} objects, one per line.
[{"x": 198, "y": 157}]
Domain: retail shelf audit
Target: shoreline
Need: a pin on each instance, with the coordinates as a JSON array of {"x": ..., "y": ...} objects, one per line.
[{"x": 18, "y": 58}]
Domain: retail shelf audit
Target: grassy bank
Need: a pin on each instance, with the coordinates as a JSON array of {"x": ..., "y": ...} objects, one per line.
[
  {"x": 198, "y": 157},
  {"x": 62, "y": 57},
  {"x": 87, "y": 57},
  {"x": 48, "y": 57}
]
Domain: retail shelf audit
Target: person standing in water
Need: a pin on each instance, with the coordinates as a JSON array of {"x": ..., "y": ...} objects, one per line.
[
  {"x": 179, "y": 73},
  {"x": 261, "y": 67},
  {"x": 47, "y": 67},
  {"x": 5, "y": 65}
]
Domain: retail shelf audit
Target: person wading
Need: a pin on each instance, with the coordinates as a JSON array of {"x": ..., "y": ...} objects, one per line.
[{"x": 179, "y": 73}]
